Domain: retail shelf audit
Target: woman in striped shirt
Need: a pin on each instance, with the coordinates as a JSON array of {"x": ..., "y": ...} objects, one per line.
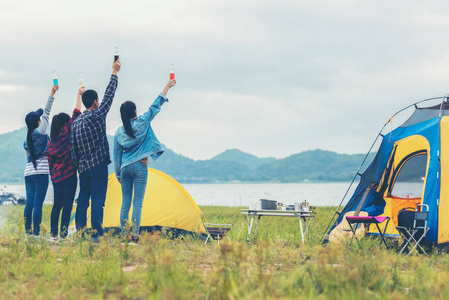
[
  {"x": 62, "y": 169},
  {"x": 36, "y": 170}
]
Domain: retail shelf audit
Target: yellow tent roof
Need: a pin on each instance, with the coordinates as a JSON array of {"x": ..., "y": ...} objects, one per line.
[{"x": 166, "y": 204}]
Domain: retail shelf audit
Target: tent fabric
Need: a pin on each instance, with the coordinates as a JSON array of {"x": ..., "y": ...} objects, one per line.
[
  {"x": 420, "y": 134},
  {"x": 166, "y": 204},
  {"x": 443, "y": 220},
  {"x": 427, "y": 113}
]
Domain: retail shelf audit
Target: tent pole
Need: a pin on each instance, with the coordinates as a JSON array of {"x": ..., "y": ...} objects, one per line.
[{"x": 350, "y": 185}]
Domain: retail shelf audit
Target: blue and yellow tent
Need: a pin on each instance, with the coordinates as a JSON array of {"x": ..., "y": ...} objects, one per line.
[{"x": 418, "y": 151}]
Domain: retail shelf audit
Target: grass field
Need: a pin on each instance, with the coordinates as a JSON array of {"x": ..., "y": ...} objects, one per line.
[{"x": 273, "y": 265}]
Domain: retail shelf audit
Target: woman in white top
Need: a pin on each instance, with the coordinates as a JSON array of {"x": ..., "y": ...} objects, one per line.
[{"x": 37, "y": 170}]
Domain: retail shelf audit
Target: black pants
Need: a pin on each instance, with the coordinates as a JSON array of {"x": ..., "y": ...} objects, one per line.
[{"x": 64, "y": 194}]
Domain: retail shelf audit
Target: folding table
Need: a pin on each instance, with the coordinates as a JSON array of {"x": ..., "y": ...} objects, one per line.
[
  {"x": 369, "y": 220},
  {"x": 250, "y": 214}
]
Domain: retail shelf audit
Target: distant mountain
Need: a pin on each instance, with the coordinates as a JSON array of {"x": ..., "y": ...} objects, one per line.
[
  {"x": 231, "y": 165},
  {"x": 316, "y": 165},
  {"x": 237, "y": 156},
  {"x": 12, "y": 140}
]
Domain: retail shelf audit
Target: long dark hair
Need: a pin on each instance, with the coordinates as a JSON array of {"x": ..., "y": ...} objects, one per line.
[
  {"x": 31, "y": 145},
  {"x": 128, "y": 112},
  {"x": 57, "y": 123}
]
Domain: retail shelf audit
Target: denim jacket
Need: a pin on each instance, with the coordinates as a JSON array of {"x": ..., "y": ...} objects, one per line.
[{"x": 128, "y": 150}]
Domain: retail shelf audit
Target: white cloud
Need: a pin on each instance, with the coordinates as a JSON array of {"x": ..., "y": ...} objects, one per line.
[{"x": 12, "y": 88}]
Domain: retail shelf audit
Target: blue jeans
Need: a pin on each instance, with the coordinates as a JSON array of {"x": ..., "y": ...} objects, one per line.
[
  {"x": 36, "y": 189},
  {"x": 64, "y": 193},
  {"x": 93, "y": 185},
  {"x": 133, "y": 176}
]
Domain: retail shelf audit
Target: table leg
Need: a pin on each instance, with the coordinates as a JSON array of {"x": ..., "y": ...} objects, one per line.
[
  {"x": 258, "y": 221},
  {"x": 300, "y": 227},
  {"x": 306, "y": 232},
  {"x": 250, "y": 225}
]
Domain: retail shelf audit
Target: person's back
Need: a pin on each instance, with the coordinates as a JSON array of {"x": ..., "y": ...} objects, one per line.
[
  {"x": 133, "y": 143},
  {"x": 144, "y": 143},
  {"x": 36, "y": 170},
  {"x": 62, "y": 170},
  {"x": 90, "y": 154},
  {"x": 89, "y": 142}
]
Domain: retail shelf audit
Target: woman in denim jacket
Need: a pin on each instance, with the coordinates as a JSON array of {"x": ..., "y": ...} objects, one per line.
[{"x": 133, "y": 143}]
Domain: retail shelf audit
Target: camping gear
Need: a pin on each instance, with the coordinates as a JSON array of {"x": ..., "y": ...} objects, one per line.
[
  {"x": 166, "y": 204},
  {"x": 250, "y": 215},
  {"x": 268, "y": 204},
  {"x": 217, "y": 232},
  {"x": 417, "y": 150},
  {"x": 415, "y": 233},
  {"x": 290, "y": 207},
  {"x": 345, "y": 227},
  {"x": 367, "y": 220},
  {"x": 265, "y": 204},
  {"x": 406, "y": 217}
]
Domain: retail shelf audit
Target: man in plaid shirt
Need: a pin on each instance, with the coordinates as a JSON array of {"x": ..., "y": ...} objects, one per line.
[{"x": 90, "y": 154}]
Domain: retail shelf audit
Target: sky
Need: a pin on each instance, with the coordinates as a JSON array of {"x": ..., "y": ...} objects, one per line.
[{"x": 271, "y": 78}]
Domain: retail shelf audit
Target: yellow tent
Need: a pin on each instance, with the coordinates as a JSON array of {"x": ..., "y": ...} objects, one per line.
[{"x": 166, "y": 204}]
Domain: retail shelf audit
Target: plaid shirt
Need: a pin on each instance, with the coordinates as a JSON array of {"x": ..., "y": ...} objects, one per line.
[
  {"x": 89, "y": 143},
  {"x": 59, "y": 156}
]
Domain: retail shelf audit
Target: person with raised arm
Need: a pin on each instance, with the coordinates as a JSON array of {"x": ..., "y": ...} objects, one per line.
[
  {"x": 62, "y": 169},
  {"x": 133, "y": 143},
  {"x": 36, "y": 170},
  {"x": 90, "y": 154}
]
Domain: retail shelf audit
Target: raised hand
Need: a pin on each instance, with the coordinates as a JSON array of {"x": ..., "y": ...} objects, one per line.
[
  {"x": 116, "y": 67},
  {"x": 54, "y": 89},
  {"x": 171, "y": 83}
]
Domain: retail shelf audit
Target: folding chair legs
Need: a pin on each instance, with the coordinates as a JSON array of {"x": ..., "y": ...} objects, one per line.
[
  {"x": 411, "y": 239},
  {"x": 417, "y": 244},
  {"x": 218, "y": 239}
]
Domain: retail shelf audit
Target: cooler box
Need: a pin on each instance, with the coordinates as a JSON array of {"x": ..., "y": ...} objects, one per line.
[{"x": 268, "y": 204}]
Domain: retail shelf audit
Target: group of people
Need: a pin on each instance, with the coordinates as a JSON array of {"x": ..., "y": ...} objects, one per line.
[{"x": 78, "y": 145}]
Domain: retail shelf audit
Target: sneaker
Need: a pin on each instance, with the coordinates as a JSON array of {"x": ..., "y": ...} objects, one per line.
[
  {"x": 54, "y": 239},
  {"x": 37, "y": 237},
  {"x": 135, "y": 239},
  {"x": 95, "y": 240}
]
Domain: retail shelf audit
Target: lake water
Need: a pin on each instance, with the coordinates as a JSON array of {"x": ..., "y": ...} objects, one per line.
[{"x": 243, "y": 194}]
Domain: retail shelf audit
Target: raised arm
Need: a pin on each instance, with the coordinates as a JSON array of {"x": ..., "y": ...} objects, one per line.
[
  {"x": 105, "y": 105},
  {"x": 78, "y": 97},
  {"x": 155, "y": 108},
  {"x": 42, "y": 129}
]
